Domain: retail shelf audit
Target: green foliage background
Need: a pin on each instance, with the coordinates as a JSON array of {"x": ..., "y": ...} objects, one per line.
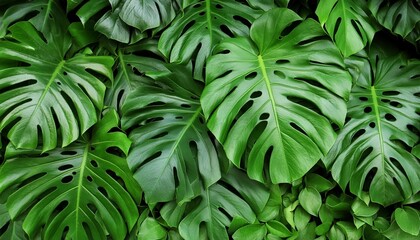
[{"x": 208, "y": 119}]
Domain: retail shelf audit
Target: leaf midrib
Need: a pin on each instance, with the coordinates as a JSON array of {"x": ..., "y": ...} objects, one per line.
[
  {"x": 379, "y": 126},
  {"x": 273, "y": 103},
  {"x": 80, "y": 184}
]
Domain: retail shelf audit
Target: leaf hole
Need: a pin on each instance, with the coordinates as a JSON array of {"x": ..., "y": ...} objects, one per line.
[
  {"x": 256, "y": 94},
  {"x": 224, "y": 74},
  {"x": 367, "y": 110},
  {"x": 160, "y": 135},
  {"x": 68, "y": 153},
  {"x": 390, "y": 93},
  {"x": 363, "y": 99},
  {"x": 187, "y": 27},
  {"x": 103, "y": 191},
  {"x": 280, "y": 74},
  {"x": 202, "y": 13},
  {"x": 264, "y": 116},
  {"x": 396, "y": 104},
  {"x": 226, "y": 51},
  {"x": 372, "y": 125},
  {"x": 296, "y": 127},
  {"x": 282, "y": 61},
  {"x": 67, "y": 179},
  {"x": 89, "y": 178},
  {"x": 155, "y": 104},
  {"x": 116, "y": 151},
  {"x": 313, "y": 39},
  {"x": 242, "y": 20},
  {"x": 390, "y": 117},
  {"x": 26, "y": 83},
  {"x": 251, "y": 76},
  {"x": 65, "y": 167},
  {"x": 218, "y": 6},
  {"x": 92, "y": 208},
  {"x": 156, "y": 119},
  {"x": 185, "y": 105},
  {"x": 226, "y": 30},
  {"x": 94, "y": 163},
  {"x": 358, "y": 134},
  {"x": 179, "y": 117},
  {"x": 369, "y": 177}
]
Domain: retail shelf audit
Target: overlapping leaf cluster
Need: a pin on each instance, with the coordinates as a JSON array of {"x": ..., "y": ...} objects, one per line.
[{"x": 208, "y": 119}]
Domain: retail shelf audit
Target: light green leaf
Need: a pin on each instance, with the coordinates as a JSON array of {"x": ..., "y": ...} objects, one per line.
[
  {"x": 55, "y": 97},
  {"x": 170, "y": 138},
  {"x": 208, "y": 215},
  {"x": 268, "y": 100},
  {"x": 279, "y": 229},
  {"x": 349, "y": 230},
  {"x": 311, "y": 200},
  {"x": 336, "y": 234},
  {"x": 318, "y": 182},
  {"x": 84, "y": 191},
  {"x": 382, "y": 110},
  {"x": 360, "y": 209},
  {"x": 302, "y": 218},
  {"x": 395, "y": 232},
  {"x": 4, "y": 215},
  {"x": 252, "y": 231},
  {"x": 151, "y": 229},
  {"x": 348, "y": 24},
  {"x": 408, "y": 220},
  {"x": 323, "y": 228},
  {"x": 201, "y": 27},
  {"x": 172, "y": 213}
]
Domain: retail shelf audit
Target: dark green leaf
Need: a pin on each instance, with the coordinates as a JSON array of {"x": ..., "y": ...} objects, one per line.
[
  {"x": 382, "y": 108},
  {"x": 279, "y": 229},
  {"x": 52, "y": 93},
  {"x": 170, "y": 139},
  {"x": 80, "y": 192},
  {"x": 202, "y": 26},
  {"x": 318, "y": 182},
  {"x": 301, "y": 219}
]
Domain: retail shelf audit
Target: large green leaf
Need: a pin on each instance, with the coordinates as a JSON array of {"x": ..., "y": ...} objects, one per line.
[
  {"x": 372, "y": 149},
  {"x": 193, "y": 34},
  {"x": 208, "y": 214},
  {"x": 45, "y": 15},
  {"x": 276, "y": 96},
  {"x": 132, "y": 65},
  {"x": 127, "y": 20},
  {"x": 172, "y": 149},
  {"x": 348, "y": 24},
  {"x": 49, "y": 92},
  {"x": 401, "y": 17},
  {"x": 84, "y": 191}
]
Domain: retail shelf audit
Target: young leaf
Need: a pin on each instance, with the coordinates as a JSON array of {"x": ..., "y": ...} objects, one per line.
[
  {"x": 82, "y": 191},
  {"x": 252, "y": 231},
  {"x": 348, "y": 24},
  {"x": 269, "y": 92},
  {"x": 408, "y": 220},
  {"x": 311, "y": 200},
  {"x": 151, "y": 229},
  {"x": 279, "y": 229}
]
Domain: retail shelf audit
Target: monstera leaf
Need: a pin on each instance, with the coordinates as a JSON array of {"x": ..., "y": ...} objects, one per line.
[
  {"x": 219, "y": 204},
  {"x": 172, "y": 149},
  {"x": 45, "y": 15},
  {"x": 400, "y": 17},
  {"x": 201, "y": 27},
  {"x": 372, "y": 150},
  {"x": 347, "y": 22},
  {"x": 126, "y": 20},
  {"x": 131, "y": 71},
  {"x": 84, "y": 191},
  {"x": 276, "y": 97},
  {"x": 48, "y": 91}
]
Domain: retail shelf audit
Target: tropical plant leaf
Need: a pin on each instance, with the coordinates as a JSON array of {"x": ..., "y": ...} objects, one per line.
[
  {"x": 45, "y": 15},
  {"x": 172, "y": 149},
  {"x": 84, "y": 191},
  {"x": 49, "y": 91},
  {"x": 269, "y": 93},
  {"x": 131, "y": 71},
  {"x": 127, "y": 20},
  {"x": 399, "y": 17},
  {"x": 371, "y": 150},
  {"x": 208, "y": 214},
  {"x": 14, "y": 231},
  {"x": 4, "y": 215},
  {"x": 348, "y": 24},
  {"x": 193, "y": 34}
]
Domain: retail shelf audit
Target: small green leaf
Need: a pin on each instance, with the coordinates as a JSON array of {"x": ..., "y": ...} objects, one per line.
[
  {"x": 4, "y": 215},
  {"x": 302, "y": 218},
  {"x": 395, "y": 232},
  {"x": 311, "y": 201},
  {"x": 252, "y": 231},
  {"x": 360, "y": 208},
  {"x": 325, "y": 214},
  {"x": 151, "y": 229},
  {"x": 323, "y": 228},
  {"x": 279, "y": 229},
  {"x": 237, "y": 223},
  {"x": 318, "y": 182},
  {"x": 349, "y": 230},
  {"x": 408, "y": 220},
  {"x": 381, "y": 224},
  {"x": 336, "y": 234}
]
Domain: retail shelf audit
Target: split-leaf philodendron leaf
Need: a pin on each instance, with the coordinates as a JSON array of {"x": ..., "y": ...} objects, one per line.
[{"x": 255, "y": 96}]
